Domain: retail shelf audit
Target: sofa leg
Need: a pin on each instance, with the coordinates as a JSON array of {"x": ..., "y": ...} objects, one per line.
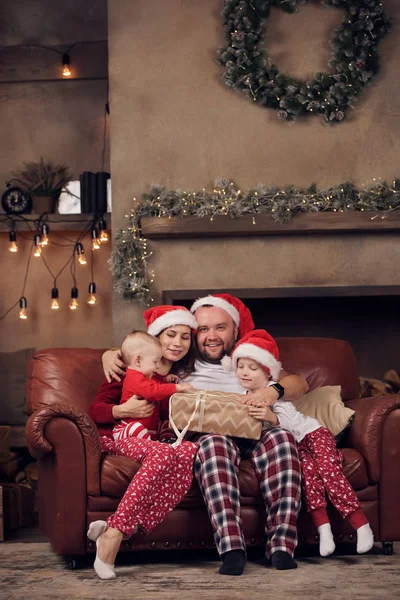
[
  {"x": 74, "y": 562},
  {"x": 387, "y": 548}
]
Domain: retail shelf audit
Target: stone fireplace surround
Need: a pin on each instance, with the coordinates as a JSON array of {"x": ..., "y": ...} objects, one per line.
[{"x": 325, "y": 280}]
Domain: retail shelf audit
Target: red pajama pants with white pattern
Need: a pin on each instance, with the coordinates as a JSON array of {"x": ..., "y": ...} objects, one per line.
[
  {"x": 322, "y": 469},
  {"x": 276, "y": 463},
  {"x": 160, "y": 484}
]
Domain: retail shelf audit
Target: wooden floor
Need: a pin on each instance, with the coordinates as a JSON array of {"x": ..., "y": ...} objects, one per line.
[{"x": 29, "y": 570}]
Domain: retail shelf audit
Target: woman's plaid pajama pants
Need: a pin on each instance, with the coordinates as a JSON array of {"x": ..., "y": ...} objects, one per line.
[{"x": 277, "y": 466}]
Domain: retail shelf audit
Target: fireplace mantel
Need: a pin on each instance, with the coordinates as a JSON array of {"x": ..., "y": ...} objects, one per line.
[{"x": 306, "y": 223}]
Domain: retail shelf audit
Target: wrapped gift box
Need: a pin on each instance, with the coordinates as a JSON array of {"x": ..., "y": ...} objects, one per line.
[{"x": 213, "y": 412}]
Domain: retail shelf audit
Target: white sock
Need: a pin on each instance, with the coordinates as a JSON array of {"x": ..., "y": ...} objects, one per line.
[
  {"x": 96, "y": 528},
  {"x": 104, "y": 570},
  {"x": 326, "y": 542},
  {"x": 365, "y": 539}
]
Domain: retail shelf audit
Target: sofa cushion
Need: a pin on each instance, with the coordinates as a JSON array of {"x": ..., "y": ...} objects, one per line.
[{"x": 325, "y": 404}]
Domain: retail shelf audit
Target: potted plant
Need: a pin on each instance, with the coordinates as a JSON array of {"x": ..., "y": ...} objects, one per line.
[{"x": 44, "y": 181}]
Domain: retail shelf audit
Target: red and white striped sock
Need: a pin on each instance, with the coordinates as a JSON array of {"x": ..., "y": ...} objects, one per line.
[{"x": 126, "y": 430}]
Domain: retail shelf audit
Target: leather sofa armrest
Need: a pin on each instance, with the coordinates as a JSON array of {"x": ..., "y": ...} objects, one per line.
[
  {"x": 365, "y": 432},
  {"x": 39, "y": 446}
]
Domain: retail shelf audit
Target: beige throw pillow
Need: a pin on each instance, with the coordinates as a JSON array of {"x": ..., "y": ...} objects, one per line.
[{"x": 325, "y": 404}]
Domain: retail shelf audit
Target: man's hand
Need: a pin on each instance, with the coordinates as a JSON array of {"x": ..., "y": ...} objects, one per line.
[
  {"x": 113, "y": 365},
  {"x": 263, "y": 413},
  {"x": 266, "y": 396},
  {"x": 134, "y": 408}
]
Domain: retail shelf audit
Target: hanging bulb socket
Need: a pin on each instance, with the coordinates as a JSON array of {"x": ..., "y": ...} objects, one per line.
[
  {"x": 66, "y": 60},
  {"x": 103, "y": 233},
  {"x": 81, "y": 253},
  {"x": 22, "y": 308},
  {"x": 44, "y": 241},
  {"x": 13, "y": 242},
  {"x": 73, "y": 304},
  {"x": 55, "y": 305},
  {"x": 95, "y": 240},
  {"x": 92, "y": 294}
]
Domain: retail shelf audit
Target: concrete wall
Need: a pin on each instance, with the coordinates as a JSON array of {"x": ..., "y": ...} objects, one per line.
[
  {"x": 62, "y": 120},
  {"x": 175, "y": 123}
]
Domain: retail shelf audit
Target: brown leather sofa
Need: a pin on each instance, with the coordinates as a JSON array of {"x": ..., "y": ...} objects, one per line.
[{"x": 78, "y": 485}]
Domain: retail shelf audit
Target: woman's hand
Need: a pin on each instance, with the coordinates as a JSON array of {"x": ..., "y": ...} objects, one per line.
[
  {"x": 263, "y": 413},
  {"x": 184, "y": 387},
  {"x": 113, "y": 366},
  {"x": 134, "y": 408}
]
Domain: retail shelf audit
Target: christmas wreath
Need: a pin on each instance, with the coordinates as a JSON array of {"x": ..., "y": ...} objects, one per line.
[{"x": 354, "y": 60}]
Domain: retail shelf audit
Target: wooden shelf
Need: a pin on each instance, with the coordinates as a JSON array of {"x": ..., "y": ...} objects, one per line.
[
  {"x": 56, "y": 222},
  {"x": 306, "y": 223}
]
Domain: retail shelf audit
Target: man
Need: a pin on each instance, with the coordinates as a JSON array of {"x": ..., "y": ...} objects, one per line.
[{"x": 222, "y": 320}]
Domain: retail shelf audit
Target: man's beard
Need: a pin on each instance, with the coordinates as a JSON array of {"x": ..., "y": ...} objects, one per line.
[{"x": 215, "y": 360}]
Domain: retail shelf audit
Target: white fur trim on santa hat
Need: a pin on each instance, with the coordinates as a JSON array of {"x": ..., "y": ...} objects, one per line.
[
  {"x": 171, "y": 318},
  {"x": 219, "y": 303},
  {"x": 226, "y": 363},
  {"x": 259, "y": 355}
]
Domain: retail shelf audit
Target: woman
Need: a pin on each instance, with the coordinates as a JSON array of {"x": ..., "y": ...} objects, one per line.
[{"x": 166, "y": 472}]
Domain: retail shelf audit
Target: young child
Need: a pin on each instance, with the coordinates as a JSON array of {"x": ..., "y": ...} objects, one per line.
[
  {"x": 141, "y": 352},
  {"x": 256, "y": 361}
]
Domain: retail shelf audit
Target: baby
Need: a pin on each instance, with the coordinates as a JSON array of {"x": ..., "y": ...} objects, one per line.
[
  {"x": 141, "y": 352},
  {"x": 256, "y": 361}
]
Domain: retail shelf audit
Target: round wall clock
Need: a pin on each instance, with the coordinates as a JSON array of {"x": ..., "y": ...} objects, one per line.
[{"x": 15, "y": 201}]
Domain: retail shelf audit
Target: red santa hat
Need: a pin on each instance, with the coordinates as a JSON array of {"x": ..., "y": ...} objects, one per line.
[
  {"x": 235, "y": 308},
  {"x": 161, "y": 317},
  {"x": 261, "y": 347}
]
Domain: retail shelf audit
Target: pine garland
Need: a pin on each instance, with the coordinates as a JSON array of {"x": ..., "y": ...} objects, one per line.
[
  {"x": 129, "y": 264},
  {"x": 354, "y": 60}
]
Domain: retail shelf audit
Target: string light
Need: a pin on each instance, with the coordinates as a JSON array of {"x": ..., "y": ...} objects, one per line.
[
  {"x": 37, "y": 248},
  {"x": 104, "y": 238},
  {"x": 81, "y": 253},
  {"x": 66, "y": 60},
  {"x": 95, "y": 240},
  {"x": 22, "y": 308},
  {"x": 55, "y": 305},
  {"x": 73, "y": 303},
  {"x": 13, "y": 242},
  {"x": 44, "y": 240},
  {"x": 92, "y": 300}
]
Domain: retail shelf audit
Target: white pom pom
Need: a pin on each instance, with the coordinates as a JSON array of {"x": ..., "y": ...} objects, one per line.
[{"x": 226, "y": 363}]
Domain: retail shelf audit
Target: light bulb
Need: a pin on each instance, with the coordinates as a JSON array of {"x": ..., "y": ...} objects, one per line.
[
  {"x": 92, "y": 300},
  {"x": 38, "y": 248},
  {"x": 104, "y": 237},
  {"x": 23, "y": 306},
  {"x": 44, "y": 240},
  {"x": 65, "y": 61},
  {"x": 55, "y": 305},
  {"x": 13, "y": 242},
  {"x": 95, "y": 240},
  {"x": 73, "y": 303},
  {"x": 81, "y": 253}
]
